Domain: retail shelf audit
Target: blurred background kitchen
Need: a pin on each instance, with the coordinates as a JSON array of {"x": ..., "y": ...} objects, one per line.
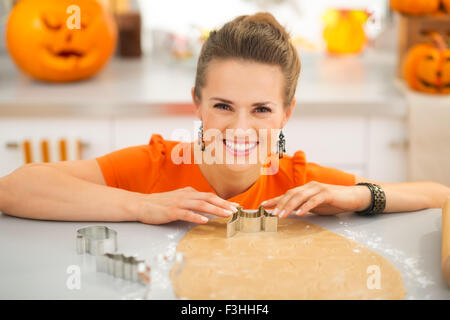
[{"x": 367, "y": 103}]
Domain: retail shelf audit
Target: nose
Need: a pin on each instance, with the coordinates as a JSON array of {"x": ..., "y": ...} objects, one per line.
[
  {"x": 241, "y": 121},
  {"x": 439, "y": 74},
  {"x": 69, "y": 37},
  {"x": 241, "y": 126}
]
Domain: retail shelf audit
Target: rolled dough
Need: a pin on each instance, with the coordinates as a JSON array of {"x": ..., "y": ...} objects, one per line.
[{"x": 300, "y": 261}]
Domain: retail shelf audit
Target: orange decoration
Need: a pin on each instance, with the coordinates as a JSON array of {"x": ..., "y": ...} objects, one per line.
[
  {"x": 60, "y": 40},
  {"x": 344, "y": 31},
  {"x": 446, "y": 5},
  {"x": 415, "y": 7},
  {"x": 427, "y": 66}
]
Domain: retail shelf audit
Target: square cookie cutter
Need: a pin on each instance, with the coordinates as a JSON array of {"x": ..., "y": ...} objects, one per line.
[{"x": 252, "y": 221}]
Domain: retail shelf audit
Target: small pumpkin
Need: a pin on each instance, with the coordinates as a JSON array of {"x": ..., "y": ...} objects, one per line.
[
  {"x": 415, "y": 7},
  {"x": 45, "y": 46},
  {"x": 427, "y": 66},
  {"x": 344, "y": 31}
]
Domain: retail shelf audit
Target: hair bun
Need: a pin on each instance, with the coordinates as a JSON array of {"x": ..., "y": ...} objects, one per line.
[{"x": 266, "y": 18}]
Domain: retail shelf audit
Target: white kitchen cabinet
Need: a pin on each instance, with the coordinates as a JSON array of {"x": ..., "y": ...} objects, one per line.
[
  {"x": 133, "y": 131},
  {"x": 333, "y": 141},
  {"x": 372, "y": 147},
  {"x": 94, "y": 133},
  {"x": 387, "y": 153}
]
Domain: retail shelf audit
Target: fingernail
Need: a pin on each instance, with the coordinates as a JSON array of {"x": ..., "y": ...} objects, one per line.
[
  {"x": 204, "y": 219},
  {"x": 236, "y": 204},
  {"x": 282, "y": 213},
  {"x": 275, "y": 211},
  {"x": 298, "y": 212},
  {"x": 263, "y": 203},
  {"x": 228, "y": 212},
  {"x": 233, "y": 209}
]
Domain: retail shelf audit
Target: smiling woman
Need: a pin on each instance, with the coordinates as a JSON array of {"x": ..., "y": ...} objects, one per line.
[
  {"x": 245, "y": 85},
  {"x": 43, "y": 44}
]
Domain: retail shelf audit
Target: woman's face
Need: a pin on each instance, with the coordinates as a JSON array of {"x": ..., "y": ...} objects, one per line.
[{"x": 243, "y": 95}]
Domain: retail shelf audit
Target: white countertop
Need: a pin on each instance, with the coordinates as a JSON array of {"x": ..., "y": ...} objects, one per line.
[
  {"x": 354, "y": 84},
  {"x": 35, "y": 254}
]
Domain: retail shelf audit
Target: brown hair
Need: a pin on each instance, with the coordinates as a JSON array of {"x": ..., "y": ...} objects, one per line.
[{"x": 257, "y": 37}]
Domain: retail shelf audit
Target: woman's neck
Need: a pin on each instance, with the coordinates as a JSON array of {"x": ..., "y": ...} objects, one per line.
[{"x": 227, "y": 183}]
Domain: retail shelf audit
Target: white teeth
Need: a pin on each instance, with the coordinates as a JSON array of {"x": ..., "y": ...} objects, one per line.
[{"x": 239, "y": 146}]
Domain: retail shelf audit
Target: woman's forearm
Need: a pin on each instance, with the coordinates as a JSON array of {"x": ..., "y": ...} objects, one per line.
[
  {"x": 43, "y": 192},
  {"x": 412, "y": 196}
]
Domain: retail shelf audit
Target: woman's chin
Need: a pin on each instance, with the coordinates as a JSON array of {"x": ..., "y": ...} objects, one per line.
[{"x": 237, "y": 167}]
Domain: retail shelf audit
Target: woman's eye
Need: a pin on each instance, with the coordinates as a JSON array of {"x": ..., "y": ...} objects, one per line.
[
  {"x": 222, "y": 106},
  {"x": 263, "y": 109}
]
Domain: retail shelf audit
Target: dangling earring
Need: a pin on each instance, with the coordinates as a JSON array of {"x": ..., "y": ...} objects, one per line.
[
  {"x": 200, "y": 137},
  {"x": 281, "y": 145}
]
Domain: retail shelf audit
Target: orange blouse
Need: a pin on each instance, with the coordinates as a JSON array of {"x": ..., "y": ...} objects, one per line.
[{"x": 150, "y": 169}]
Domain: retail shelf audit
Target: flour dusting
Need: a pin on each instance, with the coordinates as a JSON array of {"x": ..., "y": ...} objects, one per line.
[{"x": 410, "y": 266}]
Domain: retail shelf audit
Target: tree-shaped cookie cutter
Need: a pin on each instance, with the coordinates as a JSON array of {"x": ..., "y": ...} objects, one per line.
[
  {"x": 101, "y": 242},
  {"x": 252, "y": 221}
]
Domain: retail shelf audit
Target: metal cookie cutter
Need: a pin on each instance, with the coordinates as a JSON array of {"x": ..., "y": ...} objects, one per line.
[
  {"x": 120, "y": 266},
  {"x": 101, "y": 242},
  {"x": 96, "y": 240},
  {"x": 252, "y": 221}
]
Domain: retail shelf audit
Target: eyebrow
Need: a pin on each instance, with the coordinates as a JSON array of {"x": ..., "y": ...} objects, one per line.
[{"x": 257, "y": 104}]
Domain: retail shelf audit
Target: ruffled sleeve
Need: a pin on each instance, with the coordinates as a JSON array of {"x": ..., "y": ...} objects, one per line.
[
  {"x": 305, "y": 172},
  {"x": 134, "y": 168}
]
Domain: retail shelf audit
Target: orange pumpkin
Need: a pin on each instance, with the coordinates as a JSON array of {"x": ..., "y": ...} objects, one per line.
[
  {"x": 415, "y": 7},
  {"x": 427, "y": 67},
  {"x": 344, "y": 31},
  {"x": 44, "y": 44},
  {"x": 446, "y": 5}
]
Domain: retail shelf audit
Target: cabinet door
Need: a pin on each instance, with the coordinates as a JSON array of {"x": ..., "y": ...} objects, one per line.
[
  {"x": 388, "y": 149},
  {"x": 95, "y": 135},
  {"x": 333, "y": 141},
  {"x": 131, "y": 132}
]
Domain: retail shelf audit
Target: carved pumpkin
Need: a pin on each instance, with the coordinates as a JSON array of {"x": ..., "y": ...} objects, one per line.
[
  {"x": 427, "y": 67},
  {"x": 415, "y": 7},
  {"x": 344, "y": 31},
  {"x": 43, "y": 43}
]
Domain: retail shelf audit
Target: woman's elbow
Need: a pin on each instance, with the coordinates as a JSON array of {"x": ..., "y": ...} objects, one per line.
[
  {"x": 10, "y": 184},
  {"x": 442, "y": 194}
]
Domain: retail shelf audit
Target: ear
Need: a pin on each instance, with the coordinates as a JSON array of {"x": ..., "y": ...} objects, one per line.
[
  {"x": 288, "y": 112},
  {"x": 196, "y": 103}
]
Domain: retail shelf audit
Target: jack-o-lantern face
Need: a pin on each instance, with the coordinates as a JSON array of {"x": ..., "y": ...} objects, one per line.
[
  {"x": 427, "y": 68},
  {"x": 45, "y": 43}
]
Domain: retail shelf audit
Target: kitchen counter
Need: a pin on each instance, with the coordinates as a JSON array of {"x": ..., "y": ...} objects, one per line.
[
  {"x": 36, "y": 254},
  {"x": 355, "y": 85}
]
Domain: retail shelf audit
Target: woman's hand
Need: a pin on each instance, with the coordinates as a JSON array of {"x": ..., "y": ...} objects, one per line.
[
  {"x": 320, "y": 198},
  {"x": 182, "y": 204}
]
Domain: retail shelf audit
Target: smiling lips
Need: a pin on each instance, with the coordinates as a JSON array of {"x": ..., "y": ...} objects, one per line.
[{"x": 240, "y": 148}]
